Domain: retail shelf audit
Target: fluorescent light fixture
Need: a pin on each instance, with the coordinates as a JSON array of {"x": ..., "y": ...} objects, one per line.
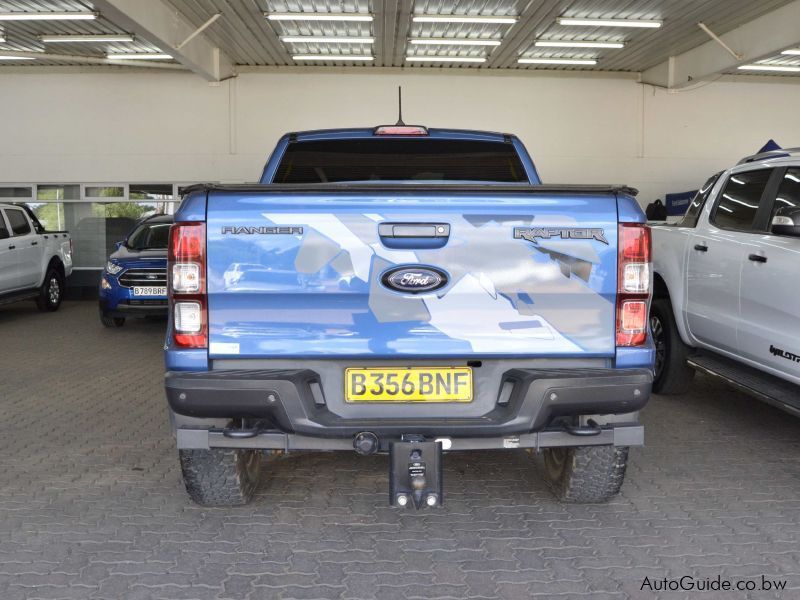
[
  {"x": 576, "y": 44},
  {"x": 47, "y": 16},
  {"x": 55, "y": 39},
  {"x": 609, "y": 22},
  {"x": 450, "y": 59},
  {"x": 350, "y": 57},
  {"x": 782, "y": 68},
  {"x": 479, "y": 19},
  {"x": 3, "y": 57},
  {"x": 138, "y": 56},
  {"x": 321, "y": 39},
  {"x": 792, "y": 52},
  {"x": 557, "y": 61},
  {"x": 454, "y": 42},
  {"x": 309, "y": 16}
]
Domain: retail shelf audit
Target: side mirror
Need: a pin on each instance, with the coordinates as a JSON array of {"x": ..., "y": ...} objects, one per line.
[
  {"x": 787, "y": 221},
  {"x": 118, "y": 245}
]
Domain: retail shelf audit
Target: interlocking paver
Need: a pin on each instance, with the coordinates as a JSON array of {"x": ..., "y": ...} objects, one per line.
[{"x": 91, "y": 503}]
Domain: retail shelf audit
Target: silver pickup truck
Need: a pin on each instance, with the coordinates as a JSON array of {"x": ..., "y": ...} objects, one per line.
[
  {"x": 726, "y": 283},
  {"x": 34, "y": 263}
]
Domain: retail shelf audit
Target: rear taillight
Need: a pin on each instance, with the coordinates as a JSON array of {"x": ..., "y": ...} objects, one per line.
[
  {"x": 633, "y": 284},
  {"x": 186, "y": 270}
]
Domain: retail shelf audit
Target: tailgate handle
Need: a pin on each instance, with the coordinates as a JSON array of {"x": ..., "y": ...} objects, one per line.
[
  {"x": 414, "y": 230},
  {"x": 411, "y": 236}
]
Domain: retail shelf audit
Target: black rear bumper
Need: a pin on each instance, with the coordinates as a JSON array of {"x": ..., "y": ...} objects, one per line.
[{"x": 294, "y": 401}]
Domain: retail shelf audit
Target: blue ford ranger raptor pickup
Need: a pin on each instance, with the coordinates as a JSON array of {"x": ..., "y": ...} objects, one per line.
[{"x": 408, "y": 291}]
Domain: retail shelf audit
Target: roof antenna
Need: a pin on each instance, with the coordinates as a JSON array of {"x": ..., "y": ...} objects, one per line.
[{"x": 400, "y": 106}]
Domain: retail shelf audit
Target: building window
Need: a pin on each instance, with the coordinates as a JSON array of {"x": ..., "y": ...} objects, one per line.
[
  {"x": 56, "y": 192},
  {"x": 104, "y": 191},
  {"x": 16, "y": 193}
]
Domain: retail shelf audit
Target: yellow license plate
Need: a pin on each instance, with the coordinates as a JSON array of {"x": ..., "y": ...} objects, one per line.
[{"x": 413, "y": 384}]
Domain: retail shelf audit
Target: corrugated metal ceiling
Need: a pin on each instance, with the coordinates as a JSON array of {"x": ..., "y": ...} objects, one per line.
[
  {"x": 249, "y": 38},
  {"x": 23, "y": 36}
]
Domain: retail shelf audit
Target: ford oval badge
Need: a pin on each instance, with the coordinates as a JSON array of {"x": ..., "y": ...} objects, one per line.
[{"x": 413, "y": 279}]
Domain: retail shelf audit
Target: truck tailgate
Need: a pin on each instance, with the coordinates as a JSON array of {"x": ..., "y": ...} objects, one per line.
[{"x": 527, "y": 274}]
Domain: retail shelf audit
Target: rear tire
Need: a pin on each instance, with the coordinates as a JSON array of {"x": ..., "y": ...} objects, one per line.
[
  {"x": 672, "y": 374},
  {"x": 110, "y": 321},
  {"x": 51, "y": 292},
  {"x": 586, "y": 474},
  {"x": 220, "y": 476}
]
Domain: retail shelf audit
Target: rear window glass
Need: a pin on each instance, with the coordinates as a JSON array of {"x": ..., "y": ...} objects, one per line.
[
  {"x": 149, "y": 236},
  {"x": 381, "y": 159},
  {"x": 18, "y": 222},
  {"x": 693, "y": 212}
]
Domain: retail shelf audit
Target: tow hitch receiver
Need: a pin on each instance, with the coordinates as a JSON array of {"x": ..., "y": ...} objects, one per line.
[{"x": 416, "y": 473}]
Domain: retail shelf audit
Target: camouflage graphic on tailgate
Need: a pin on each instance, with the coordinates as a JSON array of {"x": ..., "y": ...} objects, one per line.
[{"x": 506, "y": 292}]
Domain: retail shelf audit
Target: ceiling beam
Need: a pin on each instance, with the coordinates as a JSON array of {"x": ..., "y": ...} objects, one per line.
[
  {"x": 761, "y": 38},
  {"x": 534, "y": 19},
  {"x": 164, "y": 27},
  {"x": 396, "y": 37}
]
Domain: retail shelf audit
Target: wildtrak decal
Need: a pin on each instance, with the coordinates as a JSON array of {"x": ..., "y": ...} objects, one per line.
[{"x": 784, "y": 354}]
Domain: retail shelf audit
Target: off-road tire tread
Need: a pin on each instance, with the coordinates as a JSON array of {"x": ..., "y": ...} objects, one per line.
[
  {"x": 591, "y": 474},
  {"x": 217, "y": 477},
  {"x": 676, "y": 376}
]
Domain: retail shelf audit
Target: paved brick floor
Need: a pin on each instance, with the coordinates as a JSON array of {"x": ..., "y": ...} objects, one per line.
[{"x": 91, "y": 503}]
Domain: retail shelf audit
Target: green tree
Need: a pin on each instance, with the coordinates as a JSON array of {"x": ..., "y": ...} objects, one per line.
[{"x": 131, "y": 210}]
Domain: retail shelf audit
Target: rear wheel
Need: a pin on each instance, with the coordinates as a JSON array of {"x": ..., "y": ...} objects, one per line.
[
  {"x": 586, "y": 474},
  {"x": 672, "y": 374},
  {"x": 220, "y": 476},
  {"x": 52, "y": 290},
  {"x": 109, "y": 321}
]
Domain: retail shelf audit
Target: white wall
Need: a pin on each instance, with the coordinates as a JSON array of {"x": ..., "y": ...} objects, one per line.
[{"x": 109, "y": 126}]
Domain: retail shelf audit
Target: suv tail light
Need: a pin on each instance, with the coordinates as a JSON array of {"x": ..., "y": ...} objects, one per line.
[
  {"x": 186, "y": 272},
  {"x": 633, "y": 284}
]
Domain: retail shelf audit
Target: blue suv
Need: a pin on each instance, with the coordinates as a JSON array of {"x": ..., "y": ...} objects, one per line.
[{"x": 134, "y": 282}]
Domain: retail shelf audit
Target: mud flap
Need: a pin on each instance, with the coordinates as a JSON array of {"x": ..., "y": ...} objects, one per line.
[{"x": 415, "y": 474}]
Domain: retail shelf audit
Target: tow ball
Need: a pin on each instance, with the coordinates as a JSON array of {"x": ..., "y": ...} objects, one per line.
[{"x": 416, "y": 472}]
